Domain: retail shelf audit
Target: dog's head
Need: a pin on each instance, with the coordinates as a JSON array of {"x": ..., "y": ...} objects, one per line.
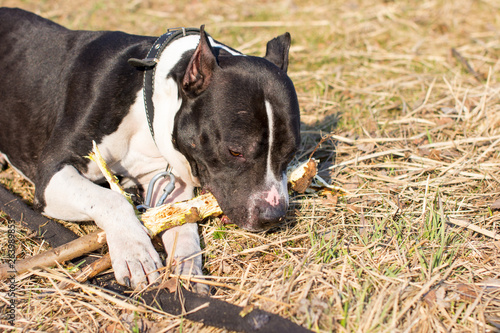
[{"x": 239, "y": 127}]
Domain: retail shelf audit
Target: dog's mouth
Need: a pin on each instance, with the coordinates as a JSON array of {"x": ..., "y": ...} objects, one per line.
[
  {"x": 225, "y": 220},
  {"x": 252, "y": 212},
  {"x": 260, "y": 227}
]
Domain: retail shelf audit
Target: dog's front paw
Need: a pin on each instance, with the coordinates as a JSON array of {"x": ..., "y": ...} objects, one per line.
[
  {"x": 187, "y": 254},
  {"x": 133, "y": 257},
  {"x": 192, "y": 267}
]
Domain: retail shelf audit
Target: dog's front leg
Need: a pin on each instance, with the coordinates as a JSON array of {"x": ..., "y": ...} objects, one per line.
[
  {"x": 70, "y": 196},
  {"x": 187, "y": 253}
]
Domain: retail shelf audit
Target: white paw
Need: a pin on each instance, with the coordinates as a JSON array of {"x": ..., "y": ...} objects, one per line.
[
  {"x": 133, "y": 257},
  {"x": 188, "y": 266},
  {"x": 191, "y": 267},
  {"x": 187, "y": 257}
]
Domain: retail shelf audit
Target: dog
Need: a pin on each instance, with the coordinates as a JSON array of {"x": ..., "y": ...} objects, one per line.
[{"x": 220, "y": 120}]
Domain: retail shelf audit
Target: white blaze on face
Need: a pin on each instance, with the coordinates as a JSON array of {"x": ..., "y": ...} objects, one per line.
[
  {"x": 270, "y": 122},
  {"x": 277, "y": 187}
]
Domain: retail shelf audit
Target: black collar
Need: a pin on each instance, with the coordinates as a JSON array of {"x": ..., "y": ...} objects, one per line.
[{"x": 149, "y": 64}]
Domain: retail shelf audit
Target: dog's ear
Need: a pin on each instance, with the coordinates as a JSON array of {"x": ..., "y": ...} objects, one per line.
[
  {"x": 201, "y": 67},
  {"x": 277, "y": 51}
]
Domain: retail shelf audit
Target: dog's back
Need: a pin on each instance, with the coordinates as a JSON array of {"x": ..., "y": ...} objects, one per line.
[{"x": 50, "y": 64}]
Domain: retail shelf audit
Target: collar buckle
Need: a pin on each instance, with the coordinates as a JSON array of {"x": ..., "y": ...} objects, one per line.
[{"x": 170, "y": 30}]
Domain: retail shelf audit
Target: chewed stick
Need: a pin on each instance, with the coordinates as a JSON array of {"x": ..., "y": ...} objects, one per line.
[{"x": 68, "y": 251}]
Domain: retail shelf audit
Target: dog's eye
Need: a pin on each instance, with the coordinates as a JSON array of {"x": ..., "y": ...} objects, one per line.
[{"x": 235, "y": 153}]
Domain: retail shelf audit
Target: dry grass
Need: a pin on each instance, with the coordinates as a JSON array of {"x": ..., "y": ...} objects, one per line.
[{"x": 410, "y": 244}]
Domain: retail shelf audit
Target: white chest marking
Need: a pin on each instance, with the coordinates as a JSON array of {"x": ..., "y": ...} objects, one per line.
[{"x": 130, "y": 151}]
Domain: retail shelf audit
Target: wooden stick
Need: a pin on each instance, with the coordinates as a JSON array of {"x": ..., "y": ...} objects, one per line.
[
  {"x": 158, "y": 219},
  {"x": 98, "y": 266},
  {"x": 68, "y": 251}
]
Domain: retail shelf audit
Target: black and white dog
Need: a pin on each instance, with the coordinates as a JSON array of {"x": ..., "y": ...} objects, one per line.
[{"x": 221, "y": 120}]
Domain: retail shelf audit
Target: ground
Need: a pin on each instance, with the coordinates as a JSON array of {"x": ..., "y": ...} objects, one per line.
[{"x": 406, "y": 95}]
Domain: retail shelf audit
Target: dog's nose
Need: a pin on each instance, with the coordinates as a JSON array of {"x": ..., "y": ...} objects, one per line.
[{"x": 271, "y": 215}]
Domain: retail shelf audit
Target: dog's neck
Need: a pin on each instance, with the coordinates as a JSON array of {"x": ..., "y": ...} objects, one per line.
[
  {"x": 167, "y": 102},
  {"x": 149, "y": 64}
]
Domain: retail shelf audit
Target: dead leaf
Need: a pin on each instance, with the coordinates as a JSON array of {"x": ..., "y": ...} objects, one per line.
[
  {"x": 331, "y": 200},
  {"x": 443, "y": 121},
  {"x": 437, "y": 298},
  {"x": 366, "y": 147},
  {"x": 170, "y": 285},
  {"x": 420, "y": 141},
  {"x": 430, "y": 298},
  {"x": 354, "y": 200},
  {"x": 193, "y": 216},
  {"x": 268, "y": 258},
  {"x": 441, "y": 300},
  {"x": 466, "y": 292},
  {"x": 449, "y": 110},
  {"x": 435, "y": 154},
  {"x": 224, "y": 267},
  {"x": 365, "y": 227},
  {"x": 495, "y": 205},
  {"x": 423, "y": 151},
  {"x": 353, "y": 208},
  {"x": 114, "y": 327}
]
